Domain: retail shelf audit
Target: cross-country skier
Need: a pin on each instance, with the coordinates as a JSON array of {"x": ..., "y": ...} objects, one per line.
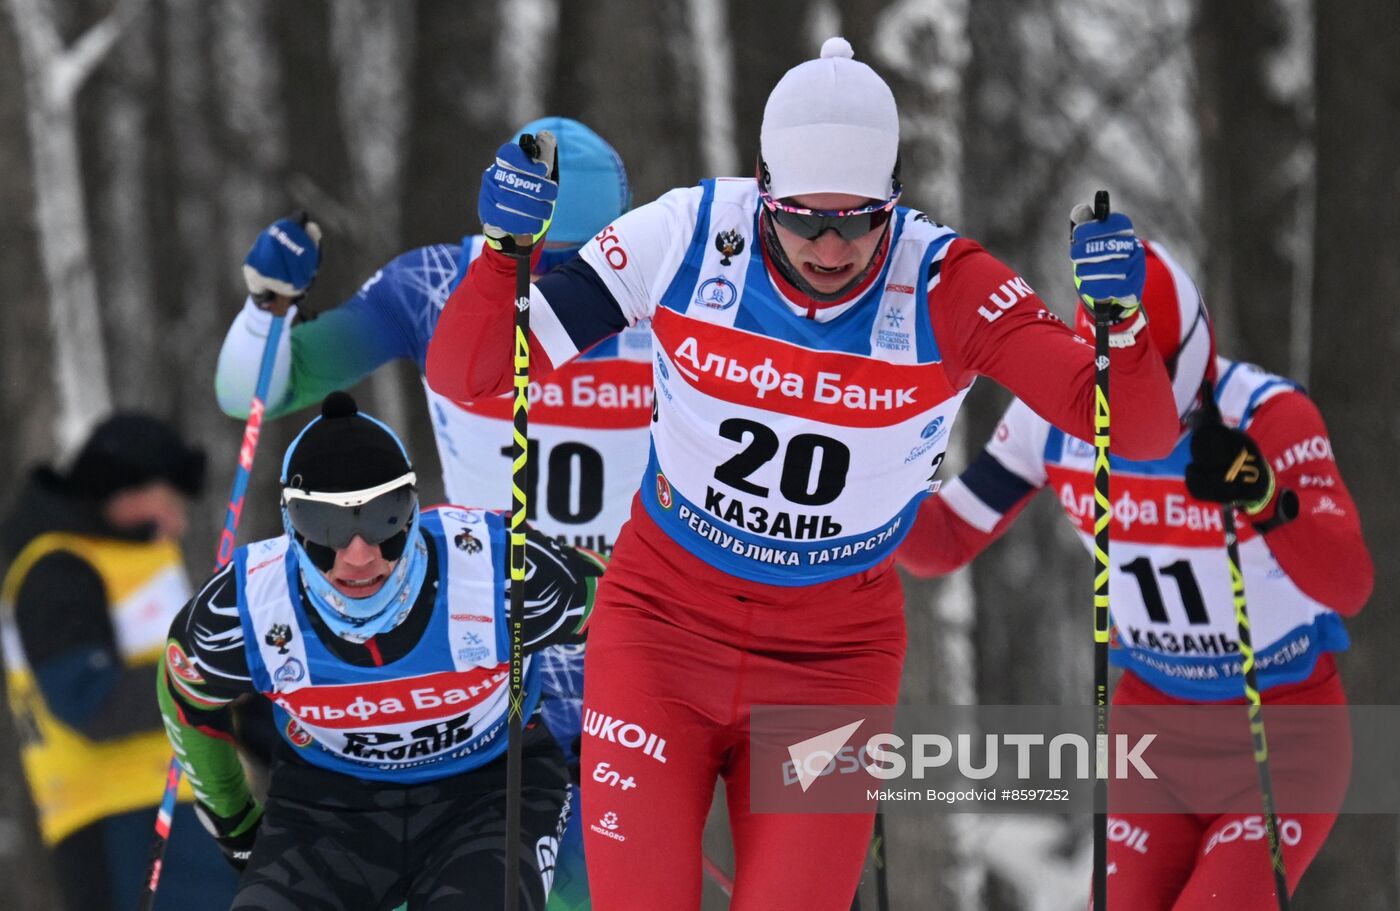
[
  {"x": 378, "y": 631},
  {"x": 587, "y": 423},
  {"x": 1304, "y": 561},
  {"x": 813, "y": 342}
]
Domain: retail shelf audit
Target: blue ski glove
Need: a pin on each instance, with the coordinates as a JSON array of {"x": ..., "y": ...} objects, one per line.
[
  {"x": 518, "y": 191},
  {"x": 284, "y": 259},
  {"x": 1109, "y": 262}
]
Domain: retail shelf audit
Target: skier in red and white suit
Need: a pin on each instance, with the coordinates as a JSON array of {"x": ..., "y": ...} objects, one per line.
[
  {"x": 1304, "y": 561},
  {"x": 813, "y": 342}
]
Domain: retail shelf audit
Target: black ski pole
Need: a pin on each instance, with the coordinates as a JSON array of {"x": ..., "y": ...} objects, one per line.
[
  {"x": 520, "y": 453},
  {"x": 1103, "y": 514},
  {"x": 1210, "y": 413},
  {"x": 882, "y": 885}
]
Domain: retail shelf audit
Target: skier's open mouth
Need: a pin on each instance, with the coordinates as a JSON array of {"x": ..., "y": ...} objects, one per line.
[
  {"x": 354, "y": 585},
  {"x": 828, "y": 270}
]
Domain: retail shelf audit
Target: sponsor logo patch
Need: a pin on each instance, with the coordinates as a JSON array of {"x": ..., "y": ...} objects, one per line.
[
  {"x": 624, "y": 734},
  {"x": 604, "y": 773},
  {"x": 404, "y": 701},
  {"x": 831, "y": 386},
  {"x": 607, "y": 826},
  {"x": 610, "y": 245}
]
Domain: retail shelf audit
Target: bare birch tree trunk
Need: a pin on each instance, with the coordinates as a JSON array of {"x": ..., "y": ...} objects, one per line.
[
  {"x": 26, "y": 402},
  {"x": 769, "y": 38},
  {"x": 53, "y": 75},
  {"x": 457, "y": 116},
  {"x": 1356, "y": 368},
  {"x": 372, "y": 49},
  {"x": 922, "y": 48},
  {"x": 623, "y": 69},
  {"x": 127, "y": 260},
  {"x": 712, "y": 57},
  {"x": 27, "y": 398},
  {"x": 1255, "y": 109},
  {"x": 248, "y": 87},
  {"x": 525, "y": 57},
  {"x": 204, "y": 299},
  {"x": 229, "y": 153}
]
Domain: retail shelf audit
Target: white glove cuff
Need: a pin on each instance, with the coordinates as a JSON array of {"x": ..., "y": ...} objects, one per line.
[
  {"x": 1127, "y": 336},
  {"x": 259, "y": 284}
]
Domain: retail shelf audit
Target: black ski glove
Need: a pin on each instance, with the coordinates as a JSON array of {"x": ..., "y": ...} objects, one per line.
[
  {"x": 235, "y": 834},
  {"x": 1227, "y": 466},
  {"x": 575, "y": 774}
]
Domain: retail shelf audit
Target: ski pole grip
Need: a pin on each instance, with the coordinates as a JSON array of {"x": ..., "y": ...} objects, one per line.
[
  {"x": 1102, "y": 310},
  {"x": 524, "y": 243}
]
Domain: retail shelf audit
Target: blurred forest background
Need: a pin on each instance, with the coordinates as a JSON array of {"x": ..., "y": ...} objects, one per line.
[{"x": 143, "y": 143}]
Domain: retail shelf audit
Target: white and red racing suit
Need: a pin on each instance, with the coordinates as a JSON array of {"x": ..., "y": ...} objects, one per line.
[
  {"x": 1174, "y": 625},
  {"x": 792, "y": 442}
]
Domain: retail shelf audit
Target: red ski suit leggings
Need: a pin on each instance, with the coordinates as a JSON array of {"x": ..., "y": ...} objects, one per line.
[
  {"x": 677, "y": 652},
  {"x": 1220, "y": 862}
]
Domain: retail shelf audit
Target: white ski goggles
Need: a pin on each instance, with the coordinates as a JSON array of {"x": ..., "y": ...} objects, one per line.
[{"x": 333, "y": 520}]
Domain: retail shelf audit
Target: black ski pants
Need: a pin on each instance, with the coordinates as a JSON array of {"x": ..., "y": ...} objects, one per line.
[{"x": 330, "y": 842}]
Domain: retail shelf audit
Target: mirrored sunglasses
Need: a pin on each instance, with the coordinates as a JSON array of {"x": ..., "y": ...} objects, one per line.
[{"x": 809, "y": 224}]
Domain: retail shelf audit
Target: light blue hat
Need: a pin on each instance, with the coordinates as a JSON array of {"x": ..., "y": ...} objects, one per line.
[{"x": 593, "y": 188}]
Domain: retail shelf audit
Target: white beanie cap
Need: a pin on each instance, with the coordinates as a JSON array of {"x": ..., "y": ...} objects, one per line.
[{"x": 830, "y": 126}]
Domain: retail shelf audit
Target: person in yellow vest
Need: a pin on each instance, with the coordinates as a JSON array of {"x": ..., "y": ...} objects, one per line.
[{"x": 94, "y": 576}]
